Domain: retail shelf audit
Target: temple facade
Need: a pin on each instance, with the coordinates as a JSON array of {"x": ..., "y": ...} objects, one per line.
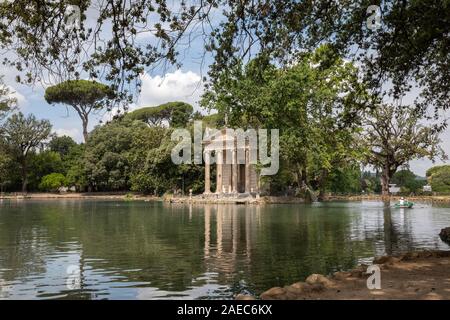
[{"x": 235, "y": 174}]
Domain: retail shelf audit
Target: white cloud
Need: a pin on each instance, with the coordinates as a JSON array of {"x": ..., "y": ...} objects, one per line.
[
  {"x": 74, "y": 133},
  {"x": 176, "y": 86},
  {"x": 14, "y": 93}
]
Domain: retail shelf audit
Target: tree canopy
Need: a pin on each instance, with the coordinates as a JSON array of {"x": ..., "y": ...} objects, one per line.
[
  {"x": 439, "y": 178},
  {"x": 21, "y": 136},
  {"x": 176, "y": 114},
  {"x": 409, "y": 46},
  {"x": 394, "y": 136},
  {"x": 83, "y": 96},
  {"x": 316, "y": 104}
]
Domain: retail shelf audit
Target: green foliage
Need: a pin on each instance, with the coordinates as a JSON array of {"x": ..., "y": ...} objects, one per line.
[
  {"x": 435, "y": 169},
  {"x": 42, "y": 164},
  {"x": 371, "y": 182},
  {"x": 316, "y": 103},
  {"x": 52, "y": 182},
  {"x": 408, "y": 181},
  {"x": 62, "y": 145},
  {"x": 345, "y": 180},
  {"x": 105, "y": 164},
  {"x": 5, "y": 167},
  {"x": 82, "y": 95},
  {"x": 393, "y": 136},
  {"x": 283, "y": 27},
  {"x": 439, "y": 178},
  {"x": 276, "y": 28},
  {"x": 20, "y": 137},
  {"x": 177, "y": 114},
  {"x": 215, "y": 120}
]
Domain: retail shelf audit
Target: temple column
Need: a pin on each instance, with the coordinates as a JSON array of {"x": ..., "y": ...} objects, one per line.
[
  {"x": 207, "y": 173},
  {"x": 234, "y": 167},
  {"x": 219, "y": 161},
  {"x": 247, "y": 171}
]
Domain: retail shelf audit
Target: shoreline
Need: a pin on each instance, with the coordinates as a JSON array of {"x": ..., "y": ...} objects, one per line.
[
  {"x": 217, "y": 200},
  {"x": 417, "y": 275},
  {"x": 442, "y": 198},
  {"x": 198, "y": 199},
  {"x": 80, "y": 196}
]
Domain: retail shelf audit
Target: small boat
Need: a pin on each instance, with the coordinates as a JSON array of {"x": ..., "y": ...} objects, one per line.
[{"x": 406, "y": 204}]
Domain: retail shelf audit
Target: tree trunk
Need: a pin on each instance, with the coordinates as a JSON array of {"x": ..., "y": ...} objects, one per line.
[
  {"x": 304, "y": 177},
  {"x": 299, "y": 175},
  {"x": 322, "y": 184},
  {"x": 85, "y": 130},
  {"x": 24, "y": 176},
  {"x": 385, "y": 179}
]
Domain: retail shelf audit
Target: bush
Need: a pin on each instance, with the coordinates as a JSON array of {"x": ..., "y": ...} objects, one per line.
[
  {"x": 440, "y": 180},
  {"x": 52, "y": 182}
]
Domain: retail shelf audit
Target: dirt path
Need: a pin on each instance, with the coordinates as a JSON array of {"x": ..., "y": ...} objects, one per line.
[{"x": 418, "y": 275}]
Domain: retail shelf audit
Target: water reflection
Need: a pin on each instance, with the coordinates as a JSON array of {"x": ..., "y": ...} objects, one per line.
[{"x": 143, "y": 250}]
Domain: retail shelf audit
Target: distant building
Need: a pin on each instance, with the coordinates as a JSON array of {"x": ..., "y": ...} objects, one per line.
[
  {"x": 427, "y": 188},
  {"x": 393, "y": 189}
]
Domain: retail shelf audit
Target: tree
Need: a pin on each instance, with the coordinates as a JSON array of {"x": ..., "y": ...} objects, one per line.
[
  {"x": 21, "y": 136},
  {"x": 394, "y": 136},
  {"x": 439, "y": 178},
  {"x": 54, "y": 41},
  {"x": 435, "y": 169},
  {"x": 411, "y": 44},
  {"x": 345, "y": 179},
  {"x": 82, "y": 95},
  {"x": 62, "y": 145},
  {"x": 316, "y": 104},
  {"x": 41, "y": 164},
  {"x": 5, "y": 166},
  {"x": 176, "y": 114},
  {"x": 408, "y": 181},
  {"x": 371, "y": 182}
]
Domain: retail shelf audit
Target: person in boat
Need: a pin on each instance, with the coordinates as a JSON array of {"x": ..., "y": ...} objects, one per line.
[{"x": 402, "y": 201}]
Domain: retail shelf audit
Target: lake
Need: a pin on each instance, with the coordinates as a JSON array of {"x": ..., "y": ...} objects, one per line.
[{"x": 97, "y": 249}]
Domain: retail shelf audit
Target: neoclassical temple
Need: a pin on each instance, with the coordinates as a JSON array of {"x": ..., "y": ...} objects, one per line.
[{"x": 232, "y": 176}]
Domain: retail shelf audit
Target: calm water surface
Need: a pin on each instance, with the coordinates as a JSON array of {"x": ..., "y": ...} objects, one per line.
[{"x": 142, "y": 250}]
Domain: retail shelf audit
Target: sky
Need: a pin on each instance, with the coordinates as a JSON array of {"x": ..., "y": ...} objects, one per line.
[{"x": 158, "y": 86}]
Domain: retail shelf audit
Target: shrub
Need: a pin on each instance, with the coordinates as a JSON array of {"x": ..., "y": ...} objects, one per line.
[{"x": 52, "y": 182}]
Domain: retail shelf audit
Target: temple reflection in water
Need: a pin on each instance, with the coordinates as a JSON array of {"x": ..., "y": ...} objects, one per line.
[{"x": 161, "y": 250}]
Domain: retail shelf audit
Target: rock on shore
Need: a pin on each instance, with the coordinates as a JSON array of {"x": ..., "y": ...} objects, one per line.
[
  {"x": 445, "y": 235},
  {"x": 414, "y": 275}
]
